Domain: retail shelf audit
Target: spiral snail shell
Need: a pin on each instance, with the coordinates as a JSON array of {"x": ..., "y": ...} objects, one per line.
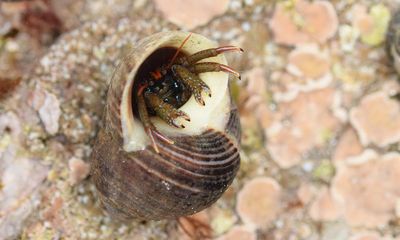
[
  {"x": 136, "y": 181},
  {"x": 393, "y": 40}
]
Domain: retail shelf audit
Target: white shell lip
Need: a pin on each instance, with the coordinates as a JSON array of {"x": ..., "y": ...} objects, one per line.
[{"x": 213, "y": 115}]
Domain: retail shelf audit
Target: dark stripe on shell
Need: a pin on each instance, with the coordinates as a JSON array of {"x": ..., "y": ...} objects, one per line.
[{"x": 185, "y": 178}]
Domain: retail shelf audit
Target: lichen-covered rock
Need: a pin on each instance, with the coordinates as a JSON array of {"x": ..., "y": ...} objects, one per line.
[
  {"x": 239, "y": 233},
  {"x": 367, "y": 189},
  {"x": 191, "y": 13},
  {"x": 300, "y": 125},
  {"x": 377, "y": 119},
  {"x": 304, "y": 22},
  {"x": 348, "y": 146},
  {"x": 373, "y": 24},
  {"x": 20, "y": 177},
  {"x": 258, "y": 203},
  {"x": 324, "y": 207},
  {"x": 309, "y": 62}
]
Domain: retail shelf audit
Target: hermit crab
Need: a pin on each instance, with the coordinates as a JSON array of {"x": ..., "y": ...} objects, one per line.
[{"x": 169, "y": 145}]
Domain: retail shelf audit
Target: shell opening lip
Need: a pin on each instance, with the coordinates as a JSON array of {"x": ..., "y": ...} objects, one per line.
[{"x": 213, "y": 115}]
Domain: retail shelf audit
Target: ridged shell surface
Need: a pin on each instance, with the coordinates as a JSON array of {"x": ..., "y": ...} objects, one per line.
[
  {"x": 184, "y": 178},
  {"x": 393, "y": 40}
]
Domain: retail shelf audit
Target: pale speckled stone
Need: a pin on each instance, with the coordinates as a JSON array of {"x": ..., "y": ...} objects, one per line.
[
  {"x": 79, "y": 170},
  {"x": 21, "y": 180},
  {"x": 366, "y": 236},
  {"x": 335, "y": 231},
  {"x": 20, "y": 177},
  {"x": 50, "y": 113}
]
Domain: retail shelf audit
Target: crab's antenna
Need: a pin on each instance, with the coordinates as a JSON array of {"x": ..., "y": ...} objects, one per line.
[{"x": 178, "y": 50}]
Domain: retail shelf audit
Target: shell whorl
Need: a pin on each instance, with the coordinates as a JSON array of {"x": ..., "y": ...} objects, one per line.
[
  {"x": 185, "y": 177},
  {"x": 393, "y": 40}
]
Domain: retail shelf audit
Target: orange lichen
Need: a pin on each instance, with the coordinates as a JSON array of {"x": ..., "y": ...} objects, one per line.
[
  {"x": 324, "y": 208},
  {"x": 239, "y": 233},
  {"x": 191, "y": 13},
  {"x": 256, "y": 95},
  {"x": 308, "y": 62},
  {"x": 258, "y": 203},
  {"x": 257, "y": 83},
  {"x": 294, "y": 130},
  {"x": 361, "y": 20},
  {"x": 306, "y": 22},
  {"x": 348, "y": 146},
  {"x": 306, "y": 193},
  {"x": 256, "y": 88},
  {"x": 377, "y": 119},
  {"x": 368, "y": 188}
]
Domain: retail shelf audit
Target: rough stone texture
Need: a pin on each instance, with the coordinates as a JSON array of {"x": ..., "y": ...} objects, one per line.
[
  {"x": 305, "y": 128},
  {"x": 50, "y": 112},
  {"x": 20, "y": 178}
]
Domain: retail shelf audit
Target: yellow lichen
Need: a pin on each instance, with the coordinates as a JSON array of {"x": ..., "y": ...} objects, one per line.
[
  {"x": 324, "y": 171},
  {"x": 223, "y": 222},
  {"x": 381, "y": 16}
]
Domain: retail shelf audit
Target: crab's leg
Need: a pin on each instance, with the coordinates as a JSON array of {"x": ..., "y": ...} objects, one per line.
[
  {"x": 194, "y": 83},
  {"x": 150, "y": 129},
  {"x": 213, "y": 67},
  {"x": 165, "y": 110},
  {"x": 211, "y": 52}
]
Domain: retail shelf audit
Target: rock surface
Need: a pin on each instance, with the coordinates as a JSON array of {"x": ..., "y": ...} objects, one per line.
[{"x": 317, "y": 103}]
